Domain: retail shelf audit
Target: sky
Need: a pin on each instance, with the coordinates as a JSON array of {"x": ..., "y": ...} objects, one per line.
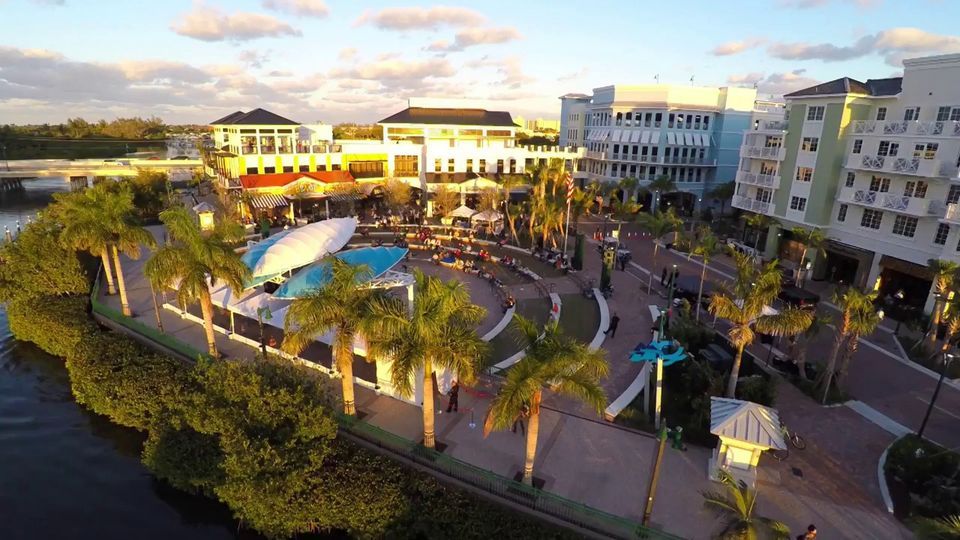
[{"x": 192, "y": 61}]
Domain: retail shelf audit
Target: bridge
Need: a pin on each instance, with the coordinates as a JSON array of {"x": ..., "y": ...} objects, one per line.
[{"x": 72, "y": 170}]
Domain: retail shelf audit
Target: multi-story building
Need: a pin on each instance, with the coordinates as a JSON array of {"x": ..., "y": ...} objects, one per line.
[
  {"x": 875, "y": 165},
  {"x": 691, "y": 134},
  {"x": 466, "y": 149}
]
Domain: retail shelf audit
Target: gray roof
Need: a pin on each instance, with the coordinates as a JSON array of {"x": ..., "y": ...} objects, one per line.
[
  {"x": 256, "y": 117},
  {"x": 846, "y": 85},
  {"x": 746, "y": 421},
  {"x": 463, "y": 117}
]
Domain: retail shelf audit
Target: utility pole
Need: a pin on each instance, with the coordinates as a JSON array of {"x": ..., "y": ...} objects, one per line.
[{"x": 655, "y": 477}]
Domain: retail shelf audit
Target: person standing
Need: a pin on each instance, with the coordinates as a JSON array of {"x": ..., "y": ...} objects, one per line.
[
  {"x": 612, "y": 328},
  {"x": 811, "y": 533},
  {"x": 454, "y": 403},
  {"x": 524, "y": 412},
  {"x": 663, "y": 277}
]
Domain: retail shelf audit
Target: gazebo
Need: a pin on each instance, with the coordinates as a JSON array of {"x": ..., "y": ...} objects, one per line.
[
  {"x": 745, "y": 429},
  {"x": 463, "y": 212}
]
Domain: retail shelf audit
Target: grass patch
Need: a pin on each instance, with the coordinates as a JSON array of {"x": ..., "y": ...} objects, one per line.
[
  {"x": 579, "y": 317},
  {"x": 916, "y": 352},
  {"x": 506, "y": 343}
]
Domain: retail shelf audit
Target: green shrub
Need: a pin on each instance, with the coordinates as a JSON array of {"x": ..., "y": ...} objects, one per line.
[
  {"x": 929, "y": 473},
  {"x": 36, "y": 265},
  {"x": 188, "y": 460},
  {"x": 56, "y": 324},
  {"x": 758, "y": 389}
]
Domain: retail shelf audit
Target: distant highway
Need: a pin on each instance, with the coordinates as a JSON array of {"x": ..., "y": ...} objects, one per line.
[{"x": 45, "y": 168}]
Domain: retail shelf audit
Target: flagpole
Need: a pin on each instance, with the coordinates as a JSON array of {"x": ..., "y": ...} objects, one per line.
[{"x": 566, "y": 235}]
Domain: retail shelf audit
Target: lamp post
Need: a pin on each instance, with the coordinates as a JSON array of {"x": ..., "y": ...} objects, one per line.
[{"x": 947, "y": 360}]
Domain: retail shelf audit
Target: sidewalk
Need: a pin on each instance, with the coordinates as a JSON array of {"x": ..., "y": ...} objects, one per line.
[{"x": 608, "y": 467}]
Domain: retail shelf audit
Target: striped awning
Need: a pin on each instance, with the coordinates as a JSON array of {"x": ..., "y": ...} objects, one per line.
[{"x": 270, "y": 200}]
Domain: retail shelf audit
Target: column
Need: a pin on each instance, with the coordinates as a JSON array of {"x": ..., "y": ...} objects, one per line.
[
  {"x": 872, "y": 281},
  {"x": 773, "y": 242}
]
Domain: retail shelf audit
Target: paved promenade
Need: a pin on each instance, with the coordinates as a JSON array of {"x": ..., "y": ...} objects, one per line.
[{"x": 607, "y": 466}]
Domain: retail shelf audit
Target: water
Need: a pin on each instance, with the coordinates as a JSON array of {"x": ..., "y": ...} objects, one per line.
[{"x": 68, "y": 473}]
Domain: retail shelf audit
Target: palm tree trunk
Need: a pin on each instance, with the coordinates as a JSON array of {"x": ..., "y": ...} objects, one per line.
[
  {"x": 735, "y": 373},
  {"x": 801, "y": 356},
  {"x": 803, "y": 255},
  {"x": 105, "y": 258},
  {"x": 931, "y": 337},
  {"x": 124, "y": 306},
  {"x": 428, "y": 434},
  {"x": 344, "y": 362},
  {"x": 851, "y": 349},
  {"x": 533, "y": 430},
  {"x": 827, "y": 377},
  {"x": 206, "y": 308},
  {"x": 703, "y": 275},
  {"x": 653, "y": 262}
]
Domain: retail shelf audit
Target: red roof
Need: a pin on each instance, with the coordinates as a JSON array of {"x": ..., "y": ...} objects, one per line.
[{"x": 256, "y": 181}]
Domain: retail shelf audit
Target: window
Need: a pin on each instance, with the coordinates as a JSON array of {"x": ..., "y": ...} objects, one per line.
[
  {"x": 304, "y": 168},
  {"x": 905, "y": 226},
  {"x": 911, "y": 114},
  {"x": 942, "y": 231},
  {"x": 925, "y": 151},
  {"x": 483, "y": 166},
  {"x": 955, "y": 114},
  {"x": 954, "y": 196},
  {"x": 437, "y": 166},
  {"x": 915, "y": 189},
  {"x": 657, "y": 119},
  {"x": 882, "y": 113},
  {"x": 706, "y": 122},
  {"x": 871, "y": 218},
  {"x": 469, "y": 165},
  {"x": 670, "y": 118},
  {"x": 815, "y": 114},
  {"x": 842, "y": 213},
  {"x": 943, "y": 114},
  {"x": 804, "y": 174},
  {"x": 252, "y": 170},
  {"x": 888, "y": 148},
  {"x": 798, "y": 203},
  {"x": 288, "y": 168},
  {"x": 450, "y": 166},
  {"x": 851, "y": 177},
  {"x": 879, "y": 184},
  {"x": 857, "y": 146},
  {"x": 809, "y": 144}
]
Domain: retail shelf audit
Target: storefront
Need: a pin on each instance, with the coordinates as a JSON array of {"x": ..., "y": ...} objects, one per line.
[{"x": 844, "y": 264}]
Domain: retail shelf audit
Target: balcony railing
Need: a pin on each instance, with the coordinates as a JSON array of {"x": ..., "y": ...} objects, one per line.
[
  {"x": 930, "y": 168},
  {"x": 593, "y": 154},
  {"x": 755, "y": 179},
  {"x": 763, "y": 152},
  {"x": 909, "y": 129},
  {"x": 772, "y": 125},
  {"x": 896, "y": 203},
  {"x": 752, "y": 205}
]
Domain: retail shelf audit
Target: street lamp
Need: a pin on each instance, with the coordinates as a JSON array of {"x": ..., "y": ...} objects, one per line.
[{"x": 947, "y": 360}]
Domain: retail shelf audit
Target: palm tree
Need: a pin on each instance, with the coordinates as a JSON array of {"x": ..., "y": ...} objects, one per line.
[
  {"x": 102, "y": 220},
  {"x": 193, "y": 260},
  {"x": 744, "y": 306},
  {"x": 582, "y": 203},
  {"x": 942, "y": 528},
  {"x": 705, "y": 246},
  {"x": 736, "y": 506},
  {"x": 858, "y": 317},
  {"x": 944, "y": 274},
  {"x": 811, "y": 239},
  {"x": 723, "y": 193},
  {"x": 552, "y": 359},
  {"x": 657, "y": 224},
  {"x": 439, "y": 330},
  {"x": 759, "y": 222},
  {"x": 628, "y": 185},
  {"x": 512, "y": 211},
  {"x": 803, "y": 340},
  {"x": 344, "y": 305},
  {"x": 662, "y": 184}
]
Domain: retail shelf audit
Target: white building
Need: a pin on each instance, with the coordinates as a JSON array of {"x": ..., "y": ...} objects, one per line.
[{"x": 691, "y": 134}]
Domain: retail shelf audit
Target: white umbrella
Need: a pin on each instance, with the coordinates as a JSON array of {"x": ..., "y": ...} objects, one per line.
[
  {"x": 490, "y": 216},
  {"x": 462, "y": 212}
]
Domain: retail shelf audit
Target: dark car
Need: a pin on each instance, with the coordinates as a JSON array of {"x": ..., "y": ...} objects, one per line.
[
  {"x": 688, "y": 286},
  {"x": 798, "y": 297}
]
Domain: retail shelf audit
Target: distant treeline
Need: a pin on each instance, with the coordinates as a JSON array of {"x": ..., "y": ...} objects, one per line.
[
  {"x": 135, "y": 128},
  {"x": 357, "y": 131}
]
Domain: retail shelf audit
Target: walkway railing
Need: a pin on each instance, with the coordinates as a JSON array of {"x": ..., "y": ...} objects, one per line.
[{"x": 505, "y": 488}]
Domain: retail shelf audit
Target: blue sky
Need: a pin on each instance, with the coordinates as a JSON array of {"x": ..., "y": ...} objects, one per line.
[{"x": 337, "y": 60}]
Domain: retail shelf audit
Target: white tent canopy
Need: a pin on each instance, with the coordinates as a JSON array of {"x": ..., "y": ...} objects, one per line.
[
  {"x": 490, "y": 216},
  {"x": 747, "y": 422},
  {"x": 305, "y": 245},
  {"x": 462, "y": 212}
]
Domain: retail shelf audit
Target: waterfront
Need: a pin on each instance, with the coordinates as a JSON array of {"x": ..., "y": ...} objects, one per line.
[{"x": 68, "y": 473}]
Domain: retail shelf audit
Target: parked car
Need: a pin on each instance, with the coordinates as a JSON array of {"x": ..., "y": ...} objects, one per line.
[
  {"x": 687, "y": 287},
  {"x": 798, "y": 297}
]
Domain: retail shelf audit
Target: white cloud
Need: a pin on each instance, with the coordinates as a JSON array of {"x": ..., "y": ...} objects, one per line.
[
  {"x": 397, "y": 70},
  {"x": 305, "y": 8},
  {"x": 210, "y": 24},
  {"x": 419, "y": 18},
  {"x": 774, "y": 83},
  {"x": 347, "y": 53},
  {"x": 470, "y": 37},
  {"x": 809, "y": 4},
  {"x": 736, "y": 47},
  {"x": 254, "y": 58}
]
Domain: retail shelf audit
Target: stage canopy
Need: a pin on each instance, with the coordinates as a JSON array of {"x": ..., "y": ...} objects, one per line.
[{"x": 299, "y": 247}]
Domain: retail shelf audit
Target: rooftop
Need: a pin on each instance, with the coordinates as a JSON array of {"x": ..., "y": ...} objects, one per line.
[
  {"x": 256, "y": 117},
  {"x": 462, "y": 117},
  {"x": 260, "y": 181},
  {"x": 846, "y": 85}
]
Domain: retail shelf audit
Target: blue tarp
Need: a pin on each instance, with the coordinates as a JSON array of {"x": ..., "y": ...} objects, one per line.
[{"x": 377, "y": 259}]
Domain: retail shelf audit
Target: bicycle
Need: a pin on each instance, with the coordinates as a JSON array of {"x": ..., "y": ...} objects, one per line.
[{"x": 793, "y": 438}]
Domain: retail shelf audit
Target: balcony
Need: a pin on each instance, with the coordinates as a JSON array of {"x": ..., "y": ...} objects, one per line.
[
  {"x": 593, "y": 154},
  {"x": 680, "y": 160},
  {"x": 928, "y": 168},
  {"x": 772, "y": 125},
  {"x": 776, "y": 153},
  {"x": 895, "y": 203},
  {"x": 771, "y": 181},
  {"x": 906, "y": 129},
  {"x": 752, "y": 205},
  {"x": 952, "y": 213}
]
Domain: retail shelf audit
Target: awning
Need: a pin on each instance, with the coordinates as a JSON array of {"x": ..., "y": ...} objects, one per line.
[
  {"x": 906, "y": 267},
  {"x": 635, "y": 136},
  {"x": 263, "y": 202},
  {"x": 645, "y": 138}
]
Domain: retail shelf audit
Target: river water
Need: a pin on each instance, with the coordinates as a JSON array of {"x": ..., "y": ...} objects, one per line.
[{"x": 68, "y": 473}]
